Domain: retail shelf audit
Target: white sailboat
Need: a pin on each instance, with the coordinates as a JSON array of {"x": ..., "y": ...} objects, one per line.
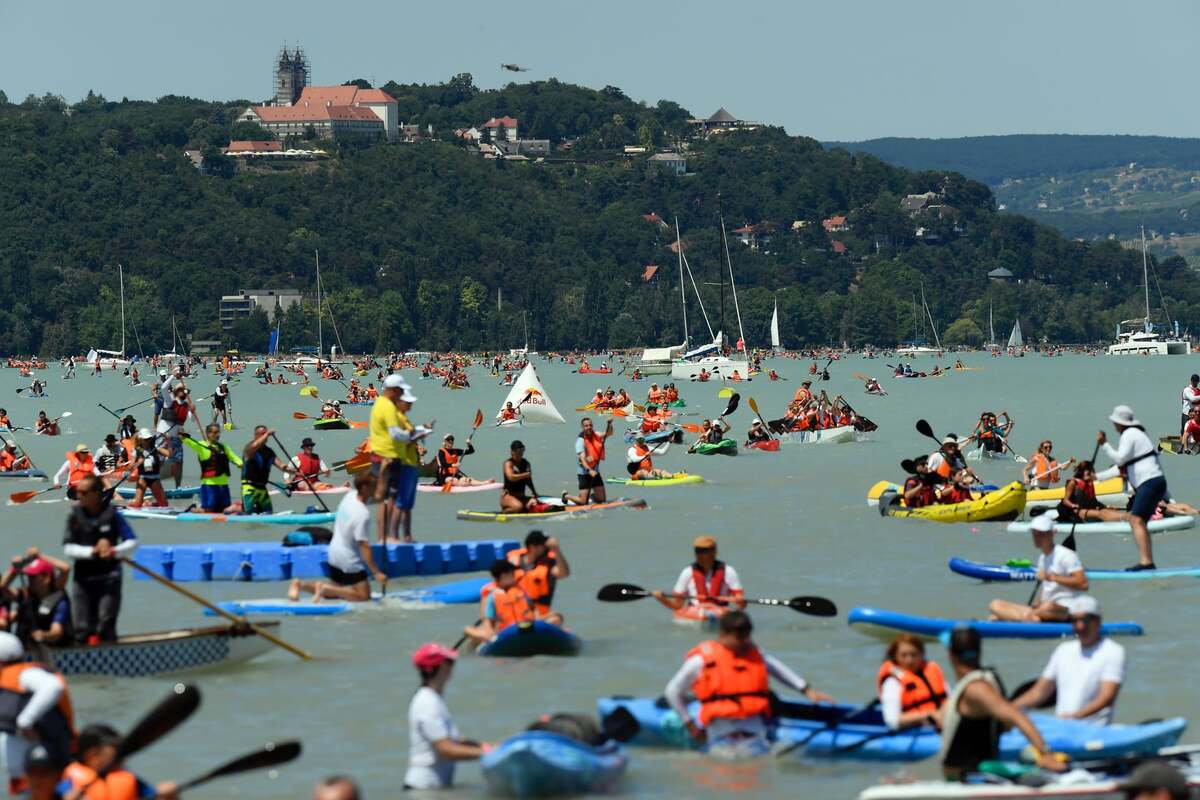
[
  {"x": 529, "y": 397},
  {"x": 775, "y": 326},
  {"x": 916, "y": 349},
  {"x": 709, "y": 358},
  {"x": 991, "y": 330},
  {"x": 1015, "y": 341},
  {"x": 1137, "y": 336},
  {"x": 111, "y": 358}
]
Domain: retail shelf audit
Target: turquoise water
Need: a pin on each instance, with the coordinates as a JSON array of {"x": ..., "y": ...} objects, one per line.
[{"x": 792, "y": 522}]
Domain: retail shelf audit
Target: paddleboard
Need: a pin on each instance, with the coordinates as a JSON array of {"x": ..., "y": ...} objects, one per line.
[
  {"x": 180, "y": 515},
  {"x": 1006, "y": 572},
  {"x": 435, "y": 489},
  {"x": 182, "y": 491},
  {"x": 886, "y": 624},
  {"x": 1154, "y": 526},
  {"x": 456, "y": 592},
  {"x": 23, "y": 473},
  {"x": 678, "y": 479},
  {"x": 568, "y": 511}
]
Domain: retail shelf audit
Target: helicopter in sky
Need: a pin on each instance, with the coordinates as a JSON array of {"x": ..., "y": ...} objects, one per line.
[{"x": 513, "y": 68}]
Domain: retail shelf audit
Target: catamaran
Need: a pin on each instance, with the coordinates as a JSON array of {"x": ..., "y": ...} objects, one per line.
[
  {"x": 708, "y": 358},
  {"x": 1138, "y": 337}
]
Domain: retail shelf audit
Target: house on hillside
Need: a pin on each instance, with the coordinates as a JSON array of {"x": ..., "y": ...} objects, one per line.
[
  {"x": 502, "y": 129},
  {"x": 650, "y": 275},
  {"x": 720, "y": 122},
  {"x": 1000, "y": 275},
  {"x": 333, "y": 112},
  {"x": 239, "y": 147},
  {"x": 756, "y": 237},
  {"x": 835, "y": 224},
  {"x": 673, "y": 163},
  {"x": 915, "y": 203}
]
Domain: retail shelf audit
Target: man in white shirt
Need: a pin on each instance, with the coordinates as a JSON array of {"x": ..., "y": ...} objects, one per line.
[
  {"x": 705, "y": 581},
  {"x": 1085, "y": 673},
  {"x": 349, "y": 550},
  {"x": 1137, "y": 457},
  {"x": 433, "y": 741},
  {"x": 1191, "y": 400},
  {"x": 1060, "y": 572}
]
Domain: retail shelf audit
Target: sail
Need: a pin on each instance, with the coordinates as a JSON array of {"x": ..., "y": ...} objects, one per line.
[
  {"x": 529, "y": 397},
  {"x": 1014, "y": 338},
  {"x": 273, "y": 344},
  {"x": 775, "y": 325}
]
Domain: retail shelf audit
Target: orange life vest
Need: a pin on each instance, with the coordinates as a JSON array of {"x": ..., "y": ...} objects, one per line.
[
  {"x": 802, "y": 396},
  {"x": 709, "y": 592},
  {"x": 919, "y": 691},
  {"x": 7, "y": 460},
  {"x": 512, "y": 607},
  {"x": 943, "y": 468},
  {"x": 672, "y": 395},
  {"x": 119, "y": 784},
  {"x": 643, "y": 452},
  {"x": 80, "y": 468},
  {"x": 56, "y": 728},
  {"x": 535, "y": 580},
  {"x": 730, "y": 686},
  {"x": 450, "y": 460},
  {"x": 1044, "y": 469},
  {"x": 593, "y": 449}
]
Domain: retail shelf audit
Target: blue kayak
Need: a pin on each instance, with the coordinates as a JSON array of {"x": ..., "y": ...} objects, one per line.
[
  {"x": 544, "y": 764},
  {"x": 852, "y": 732},
  {"x": 886, "y": 624},
  {"x": 456, "y": 592},
  {"x": 532, "y": 639},
  {"x": 277, "y": 518},
  {"x": 181, "y": 492},
  {"x": 667, "y": 434},
  {"x": 1006, "y": 572},
  {"x": 23, "y": 473}
]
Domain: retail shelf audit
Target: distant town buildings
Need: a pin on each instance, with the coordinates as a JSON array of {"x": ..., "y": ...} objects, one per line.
[
  {"x": 244, "y": 303},
  {"x": 674, "y": 163},
  {"x": 720, "y": 122},
  {"x": 835, "y": 224},
  {"x": 291, "y": 76}
]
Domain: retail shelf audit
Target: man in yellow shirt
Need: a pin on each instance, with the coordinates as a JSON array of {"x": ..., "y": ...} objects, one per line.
[{"x": 394, "y": 456}]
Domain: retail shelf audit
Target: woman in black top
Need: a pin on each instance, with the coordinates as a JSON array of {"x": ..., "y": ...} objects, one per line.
[{"x": 518, "y": 492}]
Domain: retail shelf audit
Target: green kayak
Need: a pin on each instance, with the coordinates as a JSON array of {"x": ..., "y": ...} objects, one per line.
[
  {"x": 725, "y": 447},
  {"x": 335, "y": 424},
  {"x": 676, "y": 404}
]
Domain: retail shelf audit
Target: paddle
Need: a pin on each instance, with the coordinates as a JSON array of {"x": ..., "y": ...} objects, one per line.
[
  {"x": 832, "y": 722},
  {"x": 447, "y": 486},
  {"x": 849, "y": 748},
  {"x": 1069, "y": 542},
  {"x": 754, "y": 408},
  {"x": 307, "y": 479},
  {"x": 170, "y": 712},
  {"x": 355, "y": 463},
  {"x": 123, "y": 409},
  {"x": 109, "y": 410},
  {"x": 924, "y": 429},
  {"x": 17, "y": 498},
  {"x": 733, "y": 404},
  {"x": 240, "y": 621},
  {"x": 813, "y": 606},
  {"x": 1026, "y": 686},
  {"x": 271, "y": 755}
]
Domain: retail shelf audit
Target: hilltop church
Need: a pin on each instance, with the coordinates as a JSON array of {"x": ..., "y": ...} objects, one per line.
[{"x": 334, "y": 112}]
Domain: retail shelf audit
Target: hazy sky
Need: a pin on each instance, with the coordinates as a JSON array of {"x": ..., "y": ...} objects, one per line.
[{"x": 837, "y": 69}]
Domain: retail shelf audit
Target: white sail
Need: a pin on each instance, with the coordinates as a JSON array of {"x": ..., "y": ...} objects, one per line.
[
  {"x": 1014, "y": 338},
  {"x": 775, "y": 325},
  {"x": 529, "y": 397}
]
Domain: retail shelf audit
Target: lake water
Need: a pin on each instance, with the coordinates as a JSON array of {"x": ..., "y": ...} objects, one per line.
[{"x": 792, "y": 522}]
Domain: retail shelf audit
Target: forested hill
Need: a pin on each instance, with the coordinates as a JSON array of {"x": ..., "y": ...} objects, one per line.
[{"x": 416, "y": 239}]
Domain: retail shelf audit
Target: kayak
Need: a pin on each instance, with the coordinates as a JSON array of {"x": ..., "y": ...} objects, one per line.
[
  {"x": 590, "y": 371},
  {"x": 23, "y": 473},
  {"x": 725, "y": 447},
  {"x": 456, "y": 592},
  {"x": 846, "y": 731},
  {"x": 677, "y": 479},
  {"x": 535, "y": 638},
  {"x": 545, "y": 764},
  {"x": 767, "y": 446},
  {"x": 1027, "y": 782},
  {"x": 672, "y": 434},
  {"x": 537, "y": 516},
  {"x": 1109, "y": 492},
  {"x": 480, "y": 487},
  {"x": 1180, "y": 523},
  {"x": 838, "y": 435},
  {"x": 1005, "y": 503},
  {"x": 705, "y": 615},
  {"x": 886, "y": 624},
  {"x": 182, "y": 491},
  {"x": 181, "y": 515},
  {"x": 331, "y": 424},
  {"x": 881, "y": 487},
  {"x": 1015, "y": 572}
]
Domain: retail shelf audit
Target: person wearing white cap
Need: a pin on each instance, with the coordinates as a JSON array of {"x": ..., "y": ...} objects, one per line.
[
  {"x": 222, "y": 403},
  {"x": 1137, "y": 458},
  {"x": 1084, "y": 674},
  {"x": 394, "y": 455},
  {"x": 1060, "y": 572},
  {"x": 41, "y": 713},
  {"x": 948, "y": 459}
]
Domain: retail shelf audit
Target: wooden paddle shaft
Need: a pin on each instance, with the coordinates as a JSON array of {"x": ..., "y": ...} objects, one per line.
[{"x": 275, "y": 640}]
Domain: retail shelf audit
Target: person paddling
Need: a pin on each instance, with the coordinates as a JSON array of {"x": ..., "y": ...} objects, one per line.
[
  {"x": 307, "y": 464},
  {"x": 503, "y": 603},
  {"x": 96, "y": 773},
  {"x": 1061, "y": 574},
  {"x": 148, "y": 459},
  {"x": 540, "y": 566},
  {"x": 78, "y": 466},
  {"x": 215, "y": 460},
  {"x": 730, "y": 677},
  {"x": 639, "y": 464},
  {"x": 975, "y": 713},
  {"x": 911, "y": 688},
  {"x": 1136, "y": 457},
  {"x": 1084, "y": 675},
  {"x": 589, "y": 452},
  {"x": 1191, "y": 401},
  {"x": 449, "y": 463},
  {"x": 257, "y": 460},
  {"x": 434, "y": 744},
  {"x": 1042, "y": 471},
  {"x": 705, "y": 582},
  {"x": 1079, "y": 503}
]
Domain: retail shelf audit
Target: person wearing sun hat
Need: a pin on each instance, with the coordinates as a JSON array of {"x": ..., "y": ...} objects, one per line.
[
  {"x": 1061, "y": 574},
  {"x": 1136, "y": 457},
  {"x": 394, "y": 455},
  {"x": 79, "y": 465},
  {"x": 434, "y": 744}
]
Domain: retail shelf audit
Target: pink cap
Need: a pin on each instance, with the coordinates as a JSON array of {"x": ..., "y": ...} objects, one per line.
[
  {"x": 431, "y": 655},
  {"x": 39, "y": 566}
]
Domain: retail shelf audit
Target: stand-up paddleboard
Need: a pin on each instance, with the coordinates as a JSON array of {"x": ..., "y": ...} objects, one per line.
[
  {"x": 456, "y": 592},
  {"x": 1024, "y": 572},
  {"x": 886, "y": 624},
  {"x": 1179, "y": 523},
  {"x": 478, "y": 487},
  {"x": 560, "y": 512}
]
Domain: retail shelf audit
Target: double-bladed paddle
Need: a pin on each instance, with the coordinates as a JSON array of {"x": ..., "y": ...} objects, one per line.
[
  {"x": 813, "y": 606},
  {"x": 171, "y": 711},
  {"x": 271, "y": 755}
]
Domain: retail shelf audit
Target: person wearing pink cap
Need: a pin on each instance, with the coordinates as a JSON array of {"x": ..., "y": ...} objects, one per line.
[
  {"x": 433, "y": 741},
  {"x": 42, "y": 610}
]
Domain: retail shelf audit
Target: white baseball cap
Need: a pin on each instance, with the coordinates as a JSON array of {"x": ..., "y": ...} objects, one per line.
[
  {"x": 1044, "y": 523},
  {"x": 1084, "y": 605},
  {"x": 395, "y": 382}
]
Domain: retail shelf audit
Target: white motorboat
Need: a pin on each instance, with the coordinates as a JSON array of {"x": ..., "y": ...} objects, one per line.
[{"x": 1137, "y": 337}]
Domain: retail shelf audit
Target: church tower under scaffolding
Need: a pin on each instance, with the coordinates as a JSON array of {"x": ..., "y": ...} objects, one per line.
[{"x": 291, "y": 76}]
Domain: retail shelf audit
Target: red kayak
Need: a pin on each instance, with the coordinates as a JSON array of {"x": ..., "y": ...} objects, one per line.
[{"x": 771, "y": 445}]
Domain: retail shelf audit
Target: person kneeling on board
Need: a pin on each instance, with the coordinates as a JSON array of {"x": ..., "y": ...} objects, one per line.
[
  {"x": 540, "y": 565},
  {"x": 1060, "y": 572},
  {"x": 502, "y": 603},
  {"x": 1084, "y": 675},
  {"x": 911, "y": 689},
  {"x": 730, "y": 676},
  {"x": 349, "y": 550},
  {"x": 638, "y": 462},
  {"x": 706, "y": 581}
]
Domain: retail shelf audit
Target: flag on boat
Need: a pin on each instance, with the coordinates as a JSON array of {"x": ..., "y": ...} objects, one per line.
[
  {"x": 529, "y": 397},
  {"x": 273, "y": 343}
]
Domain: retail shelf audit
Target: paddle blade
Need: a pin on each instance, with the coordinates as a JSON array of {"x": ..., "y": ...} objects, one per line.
[
  {"x": 173, "y": 710},
  {"x": 620, "y": 412},
  {"x": 356, "y": 424},
  {"x": 908, "y": 466},
  {"x": 16, "y": 498},
  {"x": 446, "y": 487},
  {"x": 733, "y": 404},
  {"x": 478, "y": 417},
  {"x": 620, "y": 593},
  {"x": 813, "y": 606},
  {"x": 272, "y": 755},
  {"x": 65, "y": 414},
  {"x": 690, "y": 427},
  {"x": 726, "y": 392},
  {"x": 299, "y": 415},
  {"x": 924, "y": 429},
  {"x": 754, "y": 407}
]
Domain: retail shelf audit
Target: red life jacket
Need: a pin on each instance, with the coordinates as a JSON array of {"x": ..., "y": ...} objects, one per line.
[
  {"x": 179, "y": 412},
  {"x": 310, "y": 464},
  {"x": 707, "y": 593}
]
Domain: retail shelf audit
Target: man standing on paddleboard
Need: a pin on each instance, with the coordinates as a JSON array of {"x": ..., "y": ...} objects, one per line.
[
  {"x": 589, "y": 451},
  {"x": 1136, "y": 457}
]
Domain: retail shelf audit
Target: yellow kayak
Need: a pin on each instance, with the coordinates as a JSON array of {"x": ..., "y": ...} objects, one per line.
[
  {"x": 1109, "y": 492},
  {"x": 1006, "y": 503},
  {"x": 677, "y": 479}
]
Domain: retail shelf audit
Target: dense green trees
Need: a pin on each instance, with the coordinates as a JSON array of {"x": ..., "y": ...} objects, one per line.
[{"x": 430, "y": 246}]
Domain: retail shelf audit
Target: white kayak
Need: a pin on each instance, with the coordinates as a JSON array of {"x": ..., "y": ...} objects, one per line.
[
  {"x": 478, "y": 487},
  {"x": 838, "y": 435},
  {"x": 1155, "y": 525},
  {"x": 1004, "y": 455}
]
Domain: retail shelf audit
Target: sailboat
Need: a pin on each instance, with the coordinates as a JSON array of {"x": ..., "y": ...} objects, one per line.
[
  {"x": 775, "y": 326},
  {"x": 917, "y": 346},
  {"x": 709, "y": 358},
  {"x": 1139, "y": 337},
  {"x": 113, "y": 358},
  {"x": 529, "y": 397},
  {"x": 173, "y": 355},
  {"x": 1015, "y": 341},
  {"x": 991, "y": 330},
  {"x": 524, "y": 351}
]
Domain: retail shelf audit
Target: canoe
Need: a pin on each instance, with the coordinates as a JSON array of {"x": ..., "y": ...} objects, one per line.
[
  {"x": 677, "y": 479},
  {"x": 180, "y": 515},
  {"x": 454, "y": 593},
  {"x": 1179, "y": 523},
  {"x": 23, "y": 473},
  {"x": 331, "y": 425},
  {"x": 852, "y": 732},
  {"x": 886, "y": 624},
  {"x": 544, "y": 764},
  {"x": 1109, "y": 492},
  {"x": 838, "y": 435},
  {"x": 538, "y": 516},
  {"x": 535, "y": 638},
  {"x": 434, "y": 488},
  {"x": 768, "y": 446},
  {"x": 706, "y": 615},
  {"x": 725, "y": 447},
  {"x": 181, "y": 492},
  {"x": 1005, "y": 503},
  {"x": 1010, "y": 572},
  {"x": 156, "y": 653}
]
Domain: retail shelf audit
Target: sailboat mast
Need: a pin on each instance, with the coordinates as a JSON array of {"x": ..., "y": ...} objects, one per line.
[
  {"x": 682, "y": 291},
  {"x": 320, "y": 337},
  {"x": 991, "y": 329},
  {"x": 932, "y": 324},
  {"x": 121, "y": 279},
  {"x": 1146, "y": 279},
  {"x": 733, "y": 286}
]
